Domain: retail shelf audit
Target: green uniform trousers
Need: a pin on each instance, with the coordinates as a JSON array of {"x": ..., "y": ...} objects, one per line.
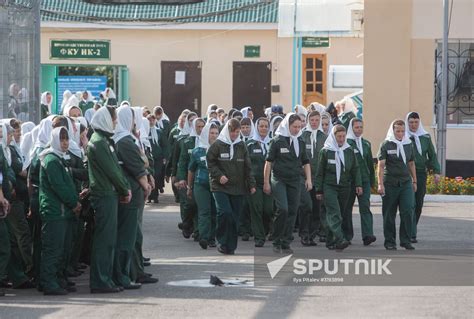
[
  {"x": 419, "y": 200},
  {"x": 245, "y": 227},
  {"x": 261, "y": 214},
  {"x": 137, "y": 270},
  {"x": 77, "y": 240},
  {"x": 20, "y": 234},
  {"x": 4, "y": 249},
  {"x": 104, "y": 241},
  {"x": 287, "y": 197},
  {"x": 206, "y": 212},
  {"x": 158, "y": 175},
  {"x": 366, "y": 218},
  {"x": 54, "y": 253},
  {"x": 305, "y": 212},
  {"x": 227, "y": 219},
  {"x": 396, "y": 197},
  {"x": 127, "y": 224},
  {"x": 335, "y": 200},
  {"x": 36, "y": 221}
]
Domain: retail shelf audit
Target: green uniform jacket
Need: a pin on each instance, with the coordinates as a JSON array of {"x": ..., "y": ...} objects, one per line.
[
  {"x": 237, "y": 170},
  {"x": 350, "y": 173},
  {"x": 396, "y": 171},
  {"x": 78, "y": 170},
  {"x": 84, "y": 106},
  {"x": 346, "y": 119},
  {"x": 257, "y": 158},
  {"x": 6, "y": 185},
  {"x": 187, "y": 147},
  {"x": 166, "y": 128},
  {"x": 198, "y": 165},
  {"x": 131, "y": 161},
  {"x": 160, "y": 149},
  {"x": 366, "y": 162},
  {"x": 174, "y": 159},
  {"x": 34, "y": 170},
  {"x": 172, "y": 138},
  {"x": 20, "y": 183},
  {"x": 286, "y": 166},
  {"x": 105, "y": 175},
  {"x": 427, "y": 160},
  {"x": 313, "y": 160},
  {"x": 57, "y": 192}
]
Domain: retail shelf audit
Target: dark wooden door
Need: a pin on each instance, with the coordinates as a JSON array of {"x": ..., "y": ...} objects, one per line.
[
  {"x": 252, "y": 86},
  {"x": 180, "y": 87}
]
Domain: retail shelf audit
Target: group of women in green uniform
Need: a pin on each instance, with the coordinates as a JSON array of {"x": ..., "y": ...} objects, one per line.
[{"x": 73, "y": 190}]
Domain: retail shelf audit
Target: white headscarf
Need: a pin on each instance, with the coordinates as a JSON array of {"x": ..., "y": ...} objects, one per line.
[
  {"x": 416, "y": 135},
  {"x": 55, "y": 144},
  {"x": 315, "y": 106},
  {"x": 204, "y": 137},
  {"x": 90, "y": 98},
  {"x": 328, "y": 116},
  {"x": 405, "y": 141},
  {"x": 103, "y": 121},
  {"x": 284, "y": 130},
  {"x": 268, "y": 112},
  {"x": 125, "y": 103},
  {"x": 26, "y": 146},
  {"x": 145, "y": 132},
  {"x": 186, "y": 130},
  {"x": 6, "y": 150},
  {"x": 66, "y": 96},
  {"x": 44, "y": 100},
  {"x": 159, "y": 123},
  {"x": 314, "y": 133},
  {"x": 348, "y": 106},
  {"x": 272, "y": 123},
  {"x": 27, "y": 127},
  {"x": 89, "y": 114},
  {"x": 245, "y": 112},
  {"x": 73, "y": 102},
  {"x": 351, "y": 136},
  {"x": 264, "y": 142},
  {"x": 125, "y": 123},
  {"x": 224, "y": 136},
  {"x": 301, "y": 110},
  {"x": 209, "y": 109},
  {"x": 137, "y": 117},
  {"x": 109, "y": 94},
  {"x": 74, "y": 139},
  {"x": 331, "y": 144},
  {"x": 44, "y": 133}
]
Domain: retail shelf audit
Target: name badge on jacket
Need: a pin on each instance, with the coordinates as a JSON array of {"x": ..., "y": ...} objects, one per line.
[
  {"x": 225, "y": 155},
  {"x": 332, "y": 161},
  {"x": 202, "y": 158},
  {"x": 308, "y": 146},
  {"x": 257, "y": 150},
  {"x": 392, "y": 152},
  {"x": 111, "y": 148},
  {"x": 284, "y": 150}
]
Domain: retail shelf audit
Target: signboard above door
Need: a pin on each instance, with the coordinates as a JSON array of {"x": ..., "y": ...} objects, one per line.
[
  {"x": 315, "y": 42},
  {"x": 144, "y": 1},
  {"x": 252, "y": 51},
  {"x": 80, "y": 49}
]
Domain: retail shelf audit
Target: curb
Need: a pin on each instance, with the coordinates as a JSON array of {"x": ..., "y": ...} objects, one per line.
[{"x": 435, "y": 198}]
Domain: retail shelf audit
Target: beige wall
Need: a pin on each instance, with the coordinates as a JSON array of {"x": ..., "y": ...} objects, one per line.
[
  {"x": 387, "y": 51},
  {"x": 143, "y": 50},
  {"x": 400, "y": 41}
]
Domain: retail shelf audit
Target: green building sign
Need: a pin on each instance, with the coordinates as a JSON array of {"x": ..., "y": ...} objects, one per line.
[
  {"x": 80, "y": 49},
  {"x": 252, "y": 51},
  {"x": 315, "y": 42}
]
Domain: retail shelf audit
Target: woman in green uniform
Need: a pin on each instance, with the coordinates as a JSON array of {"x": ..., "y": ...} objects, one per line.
[
  {"x": 397, "y": 184},
  {"x": 425, "y": 160},
  {"x": 313, "y": 222},
  {"x": 347, "y": 111},
  {"x": 286, "y": 161},
  {"x": 133, "y": 167},
  {"x": 87, "y": 102},
  {"x": 4, "y": 236},
  {"x": 107, "y": 185},
  {"x": 338, "y": 169},
  {"x": 274, "y": 123},
  {"x": 58, "y": 202},
  {"x": 230, "y": 172},
  {"x": 261, "y": 204},
  {"x": 363, "y": 152},
  {"x": 326, "y": 123},
  {"x": 46, "y": 100},
  {"x": 199, "y": 187}
]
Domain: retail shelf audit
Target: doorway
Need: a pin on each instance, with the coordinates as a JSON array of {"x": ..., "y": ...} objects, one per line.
[{"x": 314, "y": 79}]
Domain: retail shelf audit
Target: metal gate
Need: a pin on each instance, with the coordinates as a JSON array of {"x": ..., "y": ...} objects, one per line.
[{"x": 19, "y": 59}]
